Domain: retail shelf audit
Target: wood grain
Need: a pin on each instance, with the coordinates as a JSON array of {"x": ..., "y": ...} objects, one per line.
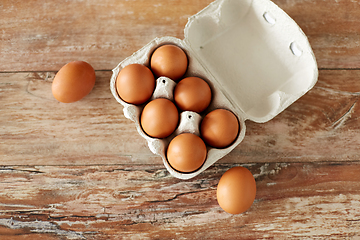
[
  {"x": 43, "y": 36},
  {"x": 35, "y": 129},
  {"x": 294, "y": 200},
  {"x": 81, "y": 171}
]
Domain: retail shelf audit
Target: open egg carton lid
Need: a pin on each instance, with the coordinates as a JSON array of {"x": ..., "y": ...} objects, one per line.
[
  {"x": 253, "y": 55},
  {"x": 258, "y": 56}
]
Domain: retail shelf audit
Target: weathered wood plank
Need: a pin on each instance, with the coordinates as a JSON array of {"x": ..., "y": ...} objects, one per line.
[
  {"x": 38, "y": 36},
  {"x": 294, "y": 200},
  {"x": 43, "y": 36},
  {"x": 35, "y": 129},
  {"x": 81, "y": 171}
]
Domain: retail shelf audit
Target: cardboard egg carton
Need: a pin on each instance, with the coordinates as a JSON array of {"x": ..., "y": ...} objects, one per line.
[{"x": 255, "y": 58}]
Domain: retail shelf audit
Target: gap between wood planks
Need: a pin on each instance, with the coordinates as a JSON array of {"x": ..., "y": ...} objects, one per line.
[{"x": 107, "y": 70}]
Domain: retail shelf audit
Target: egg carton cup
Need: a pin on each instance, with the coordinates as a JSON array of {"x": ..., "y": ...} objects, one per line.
[{"x": 255, "y": 58}]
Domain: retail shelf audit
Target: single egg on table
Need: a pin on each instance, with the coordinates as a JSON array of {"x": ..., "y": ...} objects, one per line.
[
  {"x": 159, "y": 118},
  {"x": 192, "y": 94},
  {"x": 73, "y": 81},
  {"x": 169, "y": 61},
  {"x": 219, "y": 128},
  {"x": 236, "y": 190},
  {"x": 186, "y": 152},
  {"x": 135, "y": 84}
]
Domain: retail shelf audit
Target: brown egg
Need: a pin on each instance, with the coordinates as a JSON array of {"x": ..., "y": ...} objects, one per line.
[
  {"x": 219, "y": 128},
  {"x": 73, "y": 81},
  {"x": 169, "y": 61},
  {"x": 186, "y": 152},
  {"x": 192, "y": 94},
  {"x": 135, "y": 84},
  {"x": 159, "y": 118},
  {"x": 236, "y": 190}
]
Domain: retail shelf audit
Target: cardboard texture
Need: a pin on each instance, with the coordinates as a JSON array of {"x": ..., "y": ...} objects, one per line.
[{"x": 255, "y": 58}]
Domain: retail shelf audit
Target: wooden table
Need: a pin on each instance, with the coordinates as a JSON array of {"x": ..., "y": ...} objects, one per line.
[{"x": 81, "y": 171}]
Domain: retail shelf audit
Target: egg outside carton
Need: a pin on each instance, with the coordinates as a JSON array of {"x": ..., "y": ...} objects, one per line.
[{"x": 189, "y": 121}]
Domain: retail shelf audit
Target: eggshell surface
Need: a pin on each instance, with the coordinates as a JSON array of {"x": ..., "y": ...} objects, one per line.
[
  {"x": 73, "y": 81},
  {"x": 236, "y": 190},
  {"x": 192, "y": 94},
  {"x": 169, "y": 61},
  {"x": 186, "y": 152},
  {"x": 219, "y": 128},
  {"x": 135, "y": 84},
  {"x": 159, "y": 118}
]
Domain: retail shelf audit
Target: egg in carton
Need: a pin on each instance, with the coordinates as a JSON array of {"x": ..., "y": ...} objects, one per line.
[{"x": 255, "y": 58}]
